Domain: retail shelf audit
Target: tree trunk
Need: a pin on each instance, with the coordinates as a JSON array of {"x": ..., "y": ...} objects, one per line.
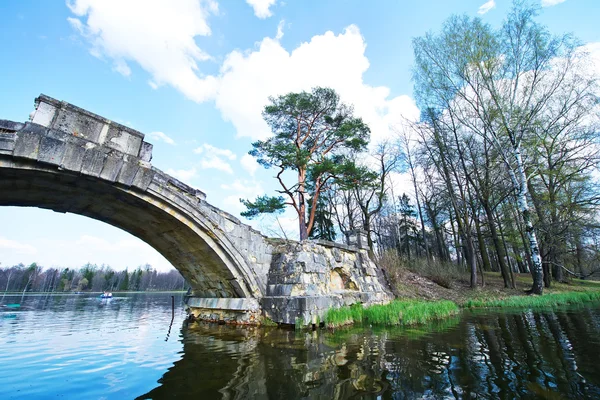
[
  {"x": 367, "y": 229},
  {"x": 420, "y": 215},
  {"x": 579, "y": 254},
  {"x": 302, "y": 205},
  {"x": 520, "y": 180},
  {"x": 470, "y": 258},
  {"x": 455, "y": 239},
  {"x": 497, "y": 245},
  {"x": 485, "y": 258}
]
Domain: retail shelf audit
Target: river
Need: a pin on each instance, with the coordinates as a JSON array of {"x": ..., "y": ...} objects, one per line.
[{"x": 132, "y": 346}]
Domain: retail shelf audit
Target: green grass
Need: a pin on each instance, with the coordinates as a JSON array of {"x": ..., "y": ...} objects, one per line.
[
  {"x": 546, "y": 300},
  {"x": 414, "y": 312},
  {"x": 397, "y": 312},
  {"x": 266, "y": 321}
]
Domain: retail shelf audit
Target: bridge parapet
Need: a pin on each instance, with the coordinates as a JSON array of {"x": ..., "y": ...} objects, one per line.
[{"x": 68, "y": 118}]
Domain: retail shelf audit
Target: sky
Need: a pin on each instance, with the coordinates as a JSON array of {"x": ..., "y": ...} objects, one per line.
[{"x": 194, "y": 76}]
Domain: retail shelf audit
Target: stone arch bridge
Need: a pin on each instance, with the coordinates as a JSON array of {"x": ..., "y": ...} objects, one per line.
[{"x": 67, "y": 159}]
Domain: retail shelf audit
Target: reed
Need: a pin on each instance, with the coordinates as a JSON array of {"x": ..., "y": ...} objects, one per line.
[{"x": 397, "y": 312}]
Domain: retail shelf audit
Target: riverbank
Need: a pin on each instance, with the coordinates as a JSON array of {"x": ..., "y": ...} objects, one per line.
[{"x": 421, "y": 300}]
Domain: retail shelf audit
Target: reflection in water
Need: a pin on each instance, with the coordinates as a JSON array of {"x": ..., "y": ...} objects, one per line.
[
  {"x": 58, "y": 346},
  {"x": 483, "y": 355},
  {"x": 80, "y": 346}
]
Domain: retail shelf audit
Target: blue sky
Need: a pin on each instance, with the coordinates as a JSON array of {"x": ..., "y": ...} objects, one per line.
[{"x": 194, "y": 76}]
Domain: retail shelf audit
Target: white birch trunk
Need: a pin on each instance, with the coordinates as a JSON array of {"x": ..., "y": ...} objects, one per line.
[{"x": 520, "y": 183}]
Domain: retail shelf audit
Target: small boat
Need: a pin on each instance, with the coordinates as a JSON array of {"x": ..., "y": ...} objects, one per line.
[{"x": 106, "y": 295}]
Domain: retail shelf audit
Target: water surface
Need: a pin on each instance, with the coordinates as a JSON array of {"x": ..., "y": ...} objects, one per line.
[{"x": 82, "y": 347}]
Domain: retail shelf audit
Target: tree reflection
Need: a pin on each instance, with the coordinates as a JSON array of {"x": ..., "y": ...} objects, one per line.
[{"x": 482, "y": 355}]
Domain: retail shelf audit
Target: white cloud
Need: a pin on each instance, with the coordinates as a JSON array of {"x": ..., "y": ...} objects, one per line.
[
  {"x": 64, "y": 240},
  {"x": 214, "y": 158},
  {"x": 215, "y": 162},
  {"x": 486, "y": 7},
  {"x": 262, "y": 7},
  {"x": 550, "y": 3},
  {"x": 592, "y": 49},
  {"x": 184, "y": 175},
  {"x": 121, "y": 67},
  {"x": 160, "y": 38},
  {"x": 158, "y": 35},
  {"x": 243, "y": 189},
  {"x": 161, "y": 136},
  {"x": 400, "y": 183},
  {"x": 282, "y": 226},
  {"x": 17, "y": 247},
  {"x": 280, "y": 29},
  {"x": 249, "y": 78},
  {"x": 118, "y": 253},
  {"x": 76, "y": 24},
  {"x": 212, "y": 150},
  {"x": 249, "y": 163}
]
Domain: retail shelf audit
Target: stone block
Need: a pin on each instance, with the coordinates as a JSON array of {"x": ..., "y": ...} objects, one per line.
[
  {"x": 263, "y": 258},
  {"x": 78, "y": 124},
  {"x": 27, "y": 145},
  {"x": 316, "y": 265},
  {"x": 30, "y": 127},
  {"x": 142, "y": 178},
  {"x": 279, "y": 290},
  {"x": 93, "y": 162},
  {"x": 122, "y": 140},
  {"x": 288, "y": 278},
  {"x": 230, "y": 228},
  {"x": 52, "y": 150},
  {"x": 7, "y": 142},
  {"x": 127, "y": 173},
  {"x": 337, "y": 256},
  {"x": 313, "y": 290},
  {"x": 10, "y": 126},
  {"x": 145, "y": 152},
  {"x": 73, "y": 157},
  {"x": 44, "y": 114},
  {"x": 111, "y": 168},
  {"x": 277, "y": 262}
]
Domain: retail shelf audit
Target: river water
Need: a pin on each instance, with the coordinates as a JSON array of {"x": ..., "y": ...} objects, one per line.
[{"x": 128, "y": 347}]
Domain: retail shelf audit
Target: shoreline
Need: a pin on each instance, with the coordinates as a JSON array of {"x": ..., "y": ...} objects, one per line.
[{"x": 414, "y": 310}]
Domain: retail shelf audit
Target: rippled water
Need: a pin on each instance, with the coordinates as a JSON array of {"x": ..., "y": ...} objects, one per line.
[
  {"x": 83, "y": 347},
  {"x": 78, "y": 346}
]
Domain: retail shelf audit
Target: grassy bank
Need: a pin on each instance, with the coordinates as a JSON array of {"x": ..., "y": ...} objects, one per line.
[
  {"x": 546, "y": 300},
  {"x": 414, "y": 312},
  {"x": 430, "y": 296},
  {"x": 398, "y": 312}
]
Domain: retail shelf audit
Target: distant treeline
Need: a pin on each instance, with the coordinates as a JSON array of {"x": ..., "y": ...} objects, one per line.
[{"x": 90, "y": 277}]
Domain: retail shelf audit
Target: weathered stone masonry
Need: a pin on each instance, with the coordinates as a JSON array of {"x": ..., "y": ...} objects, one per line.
[{"x": 70, "y": 160}]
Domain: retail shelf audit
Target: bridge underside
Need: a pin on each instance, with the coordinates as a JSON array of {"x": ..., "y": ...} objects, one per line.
[{"x": 188, "y": 247}]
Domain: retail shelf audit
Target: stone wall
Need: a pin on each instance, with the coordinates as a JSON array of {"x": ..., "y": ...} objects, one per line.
[{"x": 307, "y": 278}]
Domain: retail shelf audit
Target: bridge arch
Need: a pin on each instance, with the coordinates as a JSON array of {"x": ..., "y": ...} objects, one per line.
[{"x": 70, "y": 160}]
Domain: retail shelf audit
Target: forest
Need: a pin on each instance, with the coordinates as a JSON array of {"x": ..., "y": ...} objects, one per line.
[
  {"x": 503, "y": 162},
  {"x": 90, "y": 277}
]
